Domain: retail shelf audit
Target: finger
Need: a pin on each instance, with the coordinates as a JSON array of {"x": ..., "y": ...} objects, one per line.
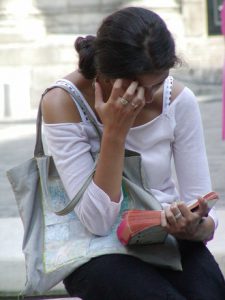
[
  {"x": 131, "y": 91},
  {"x": 190, "y": 217},
  {"x": 170, "y": 216},
  {"x": 139, "y": 100},
  {"x": 176, "y": 212},
  {"x": 117, "y": 90},
  {"x": 185, "y": 211},
  {"x": 98, "y": 95}
]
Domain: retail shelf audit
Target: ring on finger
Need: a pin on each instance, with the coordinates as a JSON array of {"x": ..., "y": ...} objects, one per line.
[
  {"x": 123, "y": 101},
  {"x": 178, "y": 215}
]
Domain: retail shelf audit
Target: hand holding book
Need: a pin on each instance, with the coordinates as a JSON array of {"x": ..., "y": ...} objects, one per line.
[{"x": 144, "y": 226}]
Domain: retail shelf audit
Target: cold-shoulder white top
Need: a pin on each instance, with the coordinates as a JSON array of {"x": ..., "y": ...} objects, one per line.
[{"x": 175, "y": 135}]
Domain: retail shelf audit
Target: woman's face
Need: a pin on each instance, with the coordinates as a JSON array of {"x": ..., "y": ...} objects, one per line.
[{"x": 151, "y": 82}]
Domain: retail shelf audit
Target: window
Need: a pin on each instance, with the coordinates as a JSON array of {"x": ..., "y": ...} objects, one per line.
[{"x": 214, "y": 22}]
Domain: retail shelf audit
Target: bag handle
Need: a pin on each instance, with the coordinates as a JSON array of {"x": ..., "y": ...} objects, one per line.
[{"x": 39, "y": 149}]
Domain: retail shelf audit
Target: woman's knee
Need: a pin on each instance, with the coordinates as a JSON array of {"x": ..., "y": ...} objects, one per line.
[{"x": 118, "y": 277}]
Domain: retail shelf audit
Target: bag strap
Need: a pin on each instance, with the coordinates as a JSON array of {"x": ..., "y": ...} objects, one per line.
[{"x": 39, "y": 149}]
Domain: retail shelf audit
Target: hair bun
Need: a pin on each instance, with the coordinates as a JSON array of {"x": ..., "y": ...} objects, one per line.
[
  {"x": 86, "y": 52},
  {"x": 84, "y": 42}
]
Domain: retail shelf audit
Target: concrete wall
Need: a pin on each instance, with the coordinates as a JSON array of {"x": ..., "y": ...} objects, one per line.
[
  {"x": 36, "y": 45},
  {"x": 75, "y": 17},
  {"x": 203, "y": 53}
]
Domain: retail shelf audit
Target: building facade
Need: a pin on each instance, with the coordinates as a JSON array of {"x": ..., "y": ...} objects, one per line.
[{"x": 36, "y": 44}]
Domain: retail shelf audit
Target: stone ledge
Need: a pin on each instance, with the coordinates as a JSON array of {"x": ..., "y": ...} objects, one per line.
[{"x": 11, "y": 256}]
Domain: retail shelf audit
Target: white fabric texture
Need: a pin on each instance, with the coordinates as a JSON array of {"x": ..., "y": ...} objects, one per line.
[{"x": 177, "y": 133}]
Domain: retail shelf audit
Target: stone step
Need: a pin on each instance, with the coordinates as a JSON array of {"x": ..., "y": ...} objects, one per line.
[{"x": 11, "y": 256}]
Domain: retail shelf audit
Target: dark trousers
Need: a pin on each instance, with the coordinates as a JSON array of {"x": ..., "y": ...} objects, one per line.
[{"x": 123, "y": 277}]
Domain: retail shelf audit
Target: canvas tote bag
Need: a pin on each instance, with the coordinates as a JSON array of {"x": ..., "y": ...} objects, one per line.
[{"x": 55, "y": 242}]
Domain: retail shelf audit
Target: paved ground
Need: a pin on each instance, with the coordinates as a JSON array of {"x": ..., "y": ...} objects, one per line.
[
  {"x": 16, "y": 146},
  {"x": 211, "y": 116},
  {"x": 17, "y": 143}
]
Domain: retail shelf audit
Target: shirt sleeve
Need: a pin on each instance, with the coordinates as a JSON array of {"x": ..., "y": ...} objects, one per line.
[
  {"x": 96, "y": 211},
  {"x": 71, "y": 151},
  {"x": 189, "y": 151}
]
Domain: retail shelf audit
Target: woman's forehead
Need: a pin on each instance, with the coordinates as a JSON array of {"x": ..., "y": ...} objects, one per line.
[
  {"x": 146, "y": 80},
  {"x": 152, "y": 78}
]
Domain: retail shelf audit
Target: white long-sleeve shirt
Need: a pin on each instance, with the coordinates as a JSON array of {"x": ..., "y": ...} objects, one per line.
[{"x": 176, "y": 133}]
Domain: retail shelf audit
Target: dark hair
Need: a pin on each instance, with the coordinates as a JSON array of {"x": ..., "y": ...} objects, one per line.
[
  {"x": 130, "y": 42},
  {"x": 85, "y": 49}
]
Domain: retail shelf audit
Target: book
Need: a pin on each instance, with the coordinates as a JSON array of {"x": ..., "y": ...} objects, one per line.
[{"x": 144, "y": 226}]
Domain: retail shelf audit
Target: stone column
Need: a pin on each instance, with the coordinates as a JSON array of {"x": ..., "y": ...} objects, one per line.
[
  {"x": 20, "y": 21},
  {"x": 169, "y": 10},
  {"x": 203, "y": 52},
  {"x": 20, "y": 25},
  {"x": 194, "y": 18},
  {"x": 36, "y": 46}
]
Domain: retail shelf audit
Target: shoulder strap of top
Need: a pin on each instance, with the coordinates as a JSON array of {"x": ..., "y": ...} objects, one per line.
[
  {"x": 78, "y": 100},
  {"x": 167, "y": 89},
  {"x": 72, "y": 87},
  {"x": 81, "y": 103}
]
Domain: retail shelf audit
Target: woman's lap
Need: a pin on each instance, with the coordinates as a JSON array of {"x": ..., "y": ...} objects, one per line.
[
  {"x": 116, "y": 276},
  {"x": 201, "y": 278}
]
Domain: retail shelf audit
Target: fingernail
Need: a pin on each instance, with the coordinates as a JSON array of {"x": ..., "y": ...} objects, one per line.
[
  {"x": 118, "y": 83},
  {"x": 134, "y": 83}
]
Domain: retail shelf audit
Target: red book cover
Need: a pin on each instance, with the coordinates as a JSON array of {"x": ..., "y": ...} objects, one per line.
[{"x": 144, "y": 226}]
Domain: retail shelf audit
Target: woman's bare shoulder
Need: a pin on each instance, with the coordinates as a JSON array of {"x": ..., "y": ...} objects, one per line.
[
  {"x": 178, "y": 87},
  {"x": 58, "y": 107}
]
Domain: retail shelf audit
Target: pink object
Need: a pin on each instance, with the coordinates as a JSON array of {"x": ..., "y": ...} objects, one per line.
[
  {"x": 223, "y": 18},
  {"x": 67, "y": 298},
  {"x": 223, "y": 99},
  {"x": 223, "y": 105}
]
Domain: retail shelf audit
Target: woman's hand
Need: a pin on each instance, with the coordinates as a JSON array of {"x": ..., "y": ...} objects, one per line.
[
  {"x": 182, "y": 223},
  {"x": 117, "y": 116},
  {"x": 120, "y": 110}
]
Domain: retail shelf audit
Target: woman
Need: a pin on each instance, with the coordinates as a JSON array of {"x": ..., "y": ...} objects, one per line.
[{"x": 123, "y": 77}]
